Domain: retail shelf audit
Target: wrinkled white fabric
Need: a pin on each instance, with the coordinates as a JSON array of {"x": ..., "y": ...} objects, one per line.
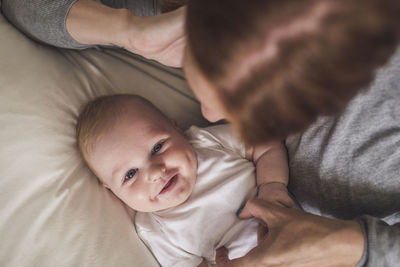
[{"x": 53, "y": 212}]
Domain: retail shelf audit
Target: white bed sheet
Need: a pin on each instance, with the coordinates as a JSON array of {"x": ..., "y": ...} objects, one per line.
[{"x": 53, "y": 212}]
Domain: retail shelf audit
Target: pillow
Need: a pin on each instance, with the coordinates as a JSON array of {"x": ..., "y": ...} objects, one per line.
[{"x": 53, "y": 212}]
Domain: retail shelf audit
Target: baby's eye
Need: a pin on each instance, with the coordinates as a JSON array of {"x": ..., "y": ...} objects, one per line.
[
  {"x": 156, "y": 148},
  {"x": 130, "y": 174}
]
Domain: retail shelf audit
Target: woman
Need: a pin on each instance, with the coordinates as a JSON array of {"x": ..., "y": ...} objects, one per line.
[{"x": 272, "y": 68}]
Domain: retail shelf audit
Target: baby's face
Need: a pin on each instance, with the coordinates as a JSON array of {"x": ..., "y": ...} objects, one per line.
[{"x": 146, "y": 162}]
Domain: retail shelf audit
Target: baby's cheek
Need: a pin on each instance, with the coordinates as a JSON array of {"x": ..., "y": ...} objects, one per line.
[
  {"x": 179, "y": 157},
  {"x": 137, "y": 197}
]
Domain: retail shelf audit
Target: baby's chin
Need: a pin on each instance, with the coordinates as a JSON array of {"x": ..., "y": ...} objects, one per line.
[
  {"x": 166, "y": 206},
  {"x": 182, "y": 199}
]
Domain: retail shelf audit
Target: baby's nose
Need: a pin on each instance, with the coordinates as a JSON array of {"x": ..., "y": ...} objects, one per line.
[{"x": 157, "y": 172}]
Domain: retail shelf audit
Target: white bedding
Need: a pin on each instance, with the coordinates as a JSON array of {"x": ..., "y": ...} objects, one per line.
[{"x": 53, "y": 212}]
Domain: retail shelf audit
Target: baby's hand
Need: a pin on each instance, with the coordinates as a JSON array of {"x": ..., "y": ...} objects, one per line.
[{"x": 276, "y": 193}]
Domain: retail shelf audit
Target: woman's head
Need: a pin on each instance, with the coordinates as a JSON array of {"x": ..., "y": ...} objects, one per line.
[{"x": 271, "y": 67}]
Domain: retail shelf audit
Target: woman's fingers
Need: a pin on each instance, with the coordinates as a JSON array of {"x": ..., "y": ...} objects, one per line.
[
  {"x": 160, "y": 37},
  {"x": 262, "y": 233},
  {"x": 271, "y": 217},
  {"x": 223, "y": 260},
  {"x": 264, "y": 211},
  {"x": 287, "y": 202}
]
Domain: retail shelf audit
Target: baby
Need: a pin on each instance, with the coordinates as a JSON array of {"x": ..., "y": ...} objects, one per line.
[{"x": 185, "y": 187}]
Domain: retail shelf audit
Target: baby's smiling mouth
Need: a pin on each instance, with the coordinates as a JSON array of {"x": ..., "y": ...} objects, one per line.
[{"x": 170, "y": 184}]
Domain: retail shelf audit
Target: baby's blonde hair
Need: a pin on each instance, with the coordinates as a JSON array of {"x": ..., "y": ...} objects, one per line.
[
  {"x": 96, "y": 117},
  {"x": 100, "y": 115}
]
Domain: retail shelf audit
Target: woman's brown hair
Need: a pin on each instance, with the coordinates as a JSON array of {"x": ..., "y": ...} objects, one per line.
[
  {"x": 277, "y": 65},
  {"x": 170, "y": 5}
]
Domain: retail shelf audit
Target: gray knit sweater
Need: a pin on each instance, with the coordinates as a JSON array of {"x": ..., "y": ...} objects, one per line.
[
  {"x": 345, "y": 167},
  {"x": 349, "y": 167}
]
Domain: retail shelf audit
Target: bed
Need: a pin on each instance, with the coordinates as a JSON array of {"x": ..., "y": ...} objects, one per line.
[{"x": 53, "y": 211}]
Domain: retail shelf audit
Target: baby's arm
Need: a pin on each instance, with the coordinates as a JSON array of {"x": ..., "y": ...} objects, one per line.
[{"x": 272, "y": 172}]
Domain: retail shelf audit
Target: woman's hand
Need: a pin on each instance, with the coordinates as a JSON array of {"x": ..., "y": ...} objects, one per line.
[
  {"x": 161, "y": 37},
  {"x": 297, "y": 238}
]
